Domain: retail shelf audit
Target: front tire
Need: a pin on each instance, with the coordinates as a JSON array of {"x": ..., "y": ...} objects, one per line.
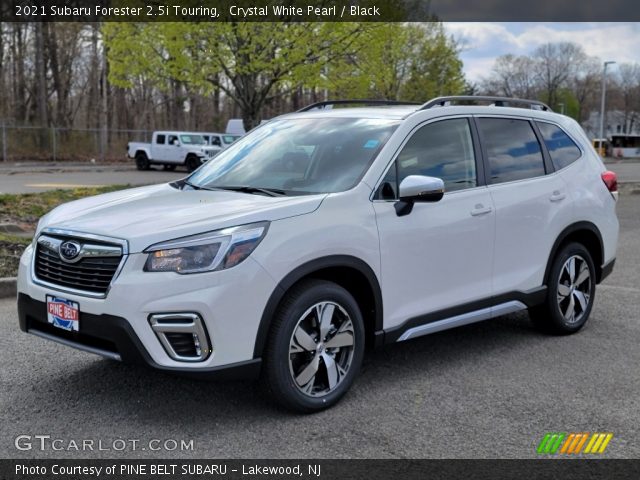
[
  {"x": 142, "y": 162},
  {"x": 192, "y": 162},
  {"x": 315, "y": 347},
  {"x": 571, "y": 292}
]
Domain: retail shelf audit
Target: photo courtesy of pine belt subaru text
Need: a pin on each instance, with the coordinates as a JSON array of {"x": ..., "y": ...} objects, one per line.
[{"x": 341, "y": 227}]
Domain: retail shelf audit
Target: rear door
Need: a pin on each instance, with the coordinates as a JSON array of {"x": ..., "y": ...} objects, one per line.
[
  {"x": 531, "y": 202},
  {"x": 440, "y": 255}
]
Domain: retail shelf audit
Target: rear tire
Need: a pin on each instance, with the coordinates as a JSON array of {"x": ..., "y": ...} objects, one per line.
[
  {"x": 315, "y": 347},
  {"x": 142, "y": 162},
  {"x": 192, "y": 162},
  {"x": 571, "y": 289}
]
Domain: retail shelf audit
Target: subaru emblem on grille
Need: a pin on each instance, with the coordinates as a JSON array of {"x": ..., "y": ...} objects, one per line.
[{"x": 69, "y": 251}]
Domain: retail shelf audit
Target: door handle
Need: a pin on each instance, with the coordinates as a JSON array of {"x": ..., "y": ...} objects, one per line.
[
  {"x": 480, "y": 209},
  {"x": 557, "y": 196}
]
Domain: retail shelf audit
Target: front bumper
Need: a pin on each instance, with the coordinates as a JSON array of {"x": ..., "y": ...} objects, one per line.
[
  {"x": 113, "y": 337},
  {"x": 118, "y": 326}
]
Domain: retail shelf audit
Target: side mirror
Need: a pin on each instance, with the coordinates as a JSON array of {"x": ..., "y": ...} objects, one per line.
[{"x": 418, "y": 188}]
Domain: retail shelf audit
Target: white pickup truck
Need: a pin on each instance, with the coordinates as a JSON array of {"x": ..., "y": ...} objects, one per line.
[{"x": 171, "y": 149}]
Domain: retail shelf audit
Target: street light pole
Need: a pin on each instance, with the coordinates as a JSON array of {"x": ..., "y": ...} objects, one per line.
[{"x": 604, "y": 93}]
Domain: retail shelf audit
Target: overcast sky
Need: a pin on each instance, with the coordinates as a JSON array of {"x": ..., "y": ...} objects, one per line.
[{"x": 483, "y": 42}]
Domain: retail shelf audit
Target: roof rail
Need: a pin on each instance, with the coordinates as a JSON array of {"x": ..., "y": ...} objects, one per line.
[
  {"x": 497, "y": 101},
  {"x": 320, "y": 105}
]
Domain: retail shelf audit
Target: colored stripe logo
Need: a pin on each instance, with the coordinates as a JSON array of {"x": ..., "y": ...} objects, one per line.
[{"x": 574, "y": 443}]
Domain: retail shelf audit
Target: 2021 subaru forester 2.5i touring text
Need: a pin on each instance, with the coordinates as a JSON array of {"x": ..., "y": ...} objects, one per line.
[{"x": 328, "y": 230}]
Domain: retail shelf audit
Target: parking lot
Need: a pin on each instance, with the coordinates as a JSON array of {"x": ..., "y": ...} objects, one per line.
[
  {"x": 30, "y": 178},
  {"x": 487, "y": 390}
]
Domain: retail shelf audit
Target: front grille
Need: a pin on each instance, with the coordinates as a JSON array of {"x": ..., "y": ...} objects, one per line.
[{"x": 90, "y": 274}]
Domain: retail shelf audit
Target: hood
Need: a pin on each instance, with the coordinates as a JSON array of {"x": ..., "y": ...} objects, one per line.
[{"x": 148, "y": 215}]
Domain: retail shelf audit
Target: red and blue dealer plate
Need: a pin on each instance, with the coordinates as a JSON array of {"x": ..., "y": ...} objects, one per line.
[{"x": 63, "y": 313}]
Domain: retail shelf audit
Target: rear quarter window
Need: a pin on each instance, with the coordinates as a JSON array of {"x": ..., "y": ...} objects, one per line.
[{"x": 562, "y": 149}]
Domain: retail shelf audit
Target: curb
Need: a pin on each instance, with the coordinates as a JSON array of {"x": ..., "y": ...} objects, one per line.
[{"x": 8, "y": 287}]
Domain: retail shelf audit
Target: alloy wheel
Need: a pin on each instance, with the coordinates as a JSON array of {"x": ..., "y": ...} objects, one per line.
[
  {"x": 321, "y": 349},
  {"x": 574, "y": 289}
]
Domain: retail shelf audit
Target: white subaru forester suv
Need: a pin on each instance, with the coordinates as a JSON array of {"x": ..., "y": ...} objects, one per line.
[{"x": 328, "y": 230}]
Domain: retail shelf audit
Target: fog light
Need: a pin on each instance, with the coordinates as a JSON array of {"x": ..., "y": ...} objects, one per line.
[{"x": 183, "y": 335}]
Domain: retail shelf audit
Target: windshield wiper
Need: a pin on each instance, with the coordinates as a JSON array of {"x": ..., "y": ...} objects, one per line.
[
  {"x": 192, "y": 185},
  {"x": 199, "y": 187},
  {"x": 272, "y": 192}
]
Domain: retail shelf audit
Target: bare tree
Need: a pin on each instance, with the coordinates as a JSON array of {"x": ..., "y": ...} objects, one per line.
[
  {"x": 555, "y": 64},
  {"x": 585, "y": 85},
  {"x": 627, "y": 84},
  {"x": 512, "y": 76},
  {"x": 41, "y": 83}
]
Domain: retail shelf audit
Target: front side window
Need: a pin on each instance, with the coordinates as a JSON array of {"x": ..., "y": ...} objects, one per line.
[
  {"x": 562, "y": 149},
  {"x": 442, "y": 149},
  {"x": 512, "y": 148},
  {"x": 299, "y": 155},
  {"x": 229, "y": 139},
  {"x": 192, "y": 140}
]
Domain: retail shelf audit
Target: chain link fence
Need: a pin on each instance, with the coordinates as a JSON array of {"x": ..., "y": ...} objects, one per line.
[{"x": 26, "y": 143}]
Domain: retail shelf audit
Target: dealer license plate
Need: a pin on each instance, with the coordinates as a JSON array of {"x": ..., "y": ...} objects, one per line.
[{"x": 63, "y": 313}]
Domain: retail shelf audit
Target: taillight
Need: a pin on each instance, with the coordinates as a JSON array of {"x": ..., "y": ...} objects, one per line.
[{"x": 610, "y": 179}]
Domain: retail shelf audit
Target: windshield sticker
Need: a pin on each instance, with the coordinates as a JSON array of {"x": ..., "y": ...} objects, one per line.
[{"x": 371, "y": 144}]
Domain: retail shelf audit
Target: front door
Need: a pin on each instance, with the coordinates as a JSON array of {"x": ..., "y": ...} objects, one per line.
[{"x": 440, "y": 255}]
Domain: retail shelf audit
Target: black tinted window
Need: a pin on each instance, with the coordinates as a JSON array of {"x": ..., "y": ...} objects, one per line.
[
  {"x": 513, "y": 149},
  {"x": 160, "y": 139},
  {"x": 443, "y": 150},
  {"x": 561, "y": 148}
]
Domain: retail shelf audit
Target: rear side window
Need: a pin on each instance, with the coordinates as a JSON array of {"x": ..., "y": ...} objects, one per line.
[
  {"x": 562, "y": 149},
  {"x": 512, "y": 149},
  {"x": 160, "y": 139}
]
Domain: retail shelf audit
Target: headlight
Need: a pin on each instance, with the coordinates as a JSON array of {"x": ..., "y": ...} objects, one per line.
[{"x": 206, "y": 252}]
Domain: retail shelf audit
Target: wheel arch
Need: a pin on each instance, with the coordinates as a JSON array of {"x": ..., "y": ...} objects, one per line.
[
  {"x": 352, "y": 273},
  {"x": 585, "y": 233}
]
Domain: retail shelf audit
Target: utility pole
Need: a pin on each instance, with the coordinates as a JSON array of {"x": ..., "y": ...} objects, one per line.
[{"x": 604, "y": 94}]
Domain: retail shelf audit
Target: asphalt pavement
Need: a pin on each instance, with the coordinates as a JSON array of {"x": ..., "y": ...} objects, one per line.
[
  {"x": 489, "y": 390},
  {"x": 28, "y": 178}
]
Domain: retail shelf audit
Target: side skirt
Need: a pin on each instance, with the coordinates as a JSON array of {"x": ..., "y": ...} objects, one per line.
[
  {"x": 464, "y": 319},
  {"x": 463, "y": 315}
]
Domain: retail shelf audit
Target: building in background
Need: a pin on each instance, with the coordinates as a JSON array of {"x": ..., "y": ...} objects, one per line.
[{"x": 622, "y": 130}]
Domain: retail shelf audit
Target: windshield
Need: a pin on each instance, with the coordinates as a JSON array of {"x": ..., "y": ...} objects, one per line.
[
  {"x": 192, "y": 139},
  {"x": 299, "y": 156}
]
